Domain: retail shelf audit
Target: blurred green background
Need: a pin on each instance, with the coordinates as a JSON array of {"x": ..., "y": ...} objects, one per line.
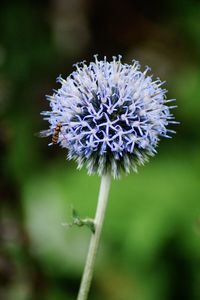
[{"x": 150, "y": 247}]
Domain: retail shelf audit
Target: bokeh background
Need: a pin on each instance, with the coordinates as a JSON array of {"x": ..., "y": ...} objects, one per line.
[{"x": 150, "y": 247}]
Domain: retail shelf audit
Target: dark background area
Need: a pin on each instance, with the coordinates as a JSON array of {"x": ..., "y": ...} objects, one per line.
[{"x": 150, "y": 247}]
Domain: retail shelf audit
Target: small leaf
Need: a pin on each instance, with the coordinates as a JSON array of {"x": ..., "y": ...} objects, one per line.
[{"x": 75, "y": 214}]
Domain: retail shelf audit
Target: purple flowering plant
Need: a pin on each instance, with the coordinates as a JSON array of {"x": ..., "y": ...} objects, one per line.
[{"x": 111, "y": 117}]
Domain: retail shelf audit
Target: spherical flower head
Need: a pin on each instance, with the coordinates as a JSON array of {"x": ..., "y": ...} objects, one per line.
[{"x": 111, "y": 115}]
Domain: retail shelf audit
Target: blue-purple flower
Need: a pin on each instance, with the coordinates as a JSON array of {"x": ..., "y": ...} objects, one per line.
[{"x": 112, "y": 115}]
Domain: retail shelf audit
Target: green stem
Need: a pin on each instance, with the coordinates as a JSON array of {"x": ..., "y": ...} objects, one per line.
[{"x": 94, "y": 242}]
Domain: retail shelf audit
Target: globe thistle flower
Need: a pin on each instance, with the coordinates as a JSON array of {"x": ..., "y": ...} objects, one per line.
[{"x": 111, "y": 115}]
